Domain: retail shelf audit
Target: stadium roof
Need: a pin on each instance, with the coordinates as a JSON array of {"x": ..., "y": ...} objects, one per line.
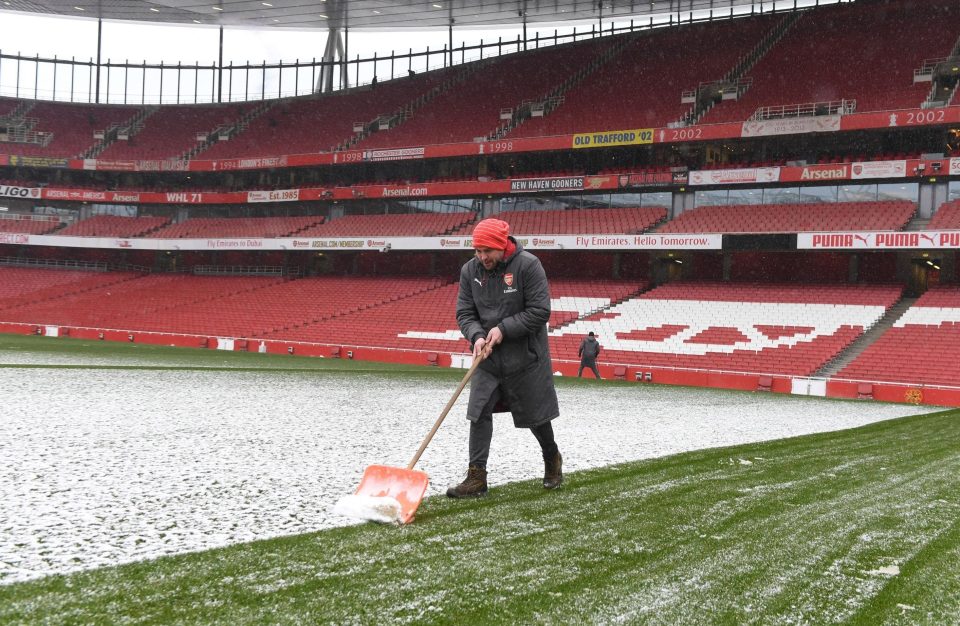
[{"x": 368, "y": 14}]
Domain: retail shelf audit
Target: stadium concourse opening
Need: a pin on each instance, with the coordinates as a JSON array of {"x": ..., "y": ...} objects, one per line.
[{"x": 705, "y": 209}]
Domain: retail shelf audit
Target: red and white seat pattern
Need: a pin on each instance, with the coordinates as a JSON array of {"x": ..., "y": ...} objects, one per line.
[
  {"x": 434, "y": 324},
  {"x": 773, "y": 329},
  {"x": 920, "y": 348}
]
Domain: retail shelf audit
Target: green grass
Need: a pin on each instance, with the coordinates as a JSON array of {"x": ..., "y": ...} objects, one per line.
[{"x": 796, "y": 531}]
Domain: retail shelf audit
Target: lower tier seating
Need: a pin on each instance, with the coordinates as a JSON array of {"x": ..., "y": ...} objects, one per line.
[
  {"x": 22, "y": 287},
  {"x": 426, "y": 321},
  {"x": 920, "y": 348},
  {"x": 772, "y": 329},
  {"x": 788, "y": 329}
]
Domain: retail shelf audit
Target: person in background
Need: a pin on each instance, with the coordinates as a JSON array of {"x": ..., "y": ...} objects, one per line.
[
  {"x": 588, "y": 352},
  {"x": 502, "y": 309}
]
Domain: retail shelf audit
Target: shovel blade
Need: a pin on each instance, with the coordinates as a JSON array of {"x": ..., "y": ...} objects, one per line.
[{"x": 405, "y": 486}]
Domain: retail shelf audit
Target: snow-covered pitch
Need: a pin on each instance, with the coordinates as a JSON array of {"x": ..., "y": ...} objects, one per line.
[{"x": 102, "y": 467}]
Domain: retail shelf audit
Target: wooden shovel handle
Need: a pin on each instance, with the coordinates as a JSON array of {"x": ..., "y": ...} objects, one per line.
[{"x": 446, "y": 409}]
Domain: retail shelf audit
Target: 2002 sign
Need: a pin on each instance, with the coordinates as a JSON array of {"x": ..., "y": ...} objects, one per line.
[
  {"x": 684, "y": 134},
  {"x": 926, "y": 117}
]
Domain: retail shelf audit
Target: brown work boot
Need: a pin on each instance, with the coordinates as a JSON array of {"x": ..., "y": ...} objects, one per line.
[
  {"x": 474, "y": 485},
  {"x": 553, "y": 472}
]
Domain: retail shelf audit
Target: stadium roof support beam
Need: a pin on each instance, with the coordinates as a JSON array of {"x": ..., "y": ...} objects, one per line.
[
  {"x": 336, "y": 49},
  {"x": 333, "y": 51},
  {"x": 99, "y": 49}
]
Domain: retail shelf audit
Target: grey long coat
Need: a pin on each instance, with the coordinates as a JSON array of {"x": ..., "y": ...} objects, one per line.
[{"x": 519, "y": 373}]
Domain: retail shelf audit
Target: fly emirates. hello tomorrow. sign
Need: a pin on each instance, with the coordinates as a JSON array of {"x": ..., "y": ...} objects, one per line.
[{"x": 651, "y": 241}]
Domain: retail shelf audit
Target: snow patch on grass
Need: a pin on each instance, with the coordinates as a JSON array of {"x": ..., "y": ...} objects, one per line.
[{"x": 127, "y": 465}]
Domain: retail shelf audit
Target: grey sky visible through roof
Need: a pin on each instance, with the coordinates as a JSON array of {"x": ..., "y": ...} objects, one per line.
[
  {"x": 279, "y": 30},
  {"x": 378, "y": 14}
]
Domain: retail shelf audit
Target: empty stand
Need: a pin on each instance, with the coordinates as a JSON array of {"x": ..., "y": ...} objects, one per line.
[
  {"x": 159, "y": 302},
  {"x": 391, "y": 225},
  {"x": 472, "y": 108},
  {"x": 114, "y": 226},
  {"x": 260, "y": 227},
  {"x": 772, "y": 329},
  {"x": 318, "y": 124},
  {"x": 642, "y": 86},
  {"x": 947, "y": 217},
  {"x": 578, "y": 221},
  {"x": 920, "y": 348},
  {"x": 8, "y": 105},
  {"x": 426, "y": 321},
  {"x": 71, "y": 125},
  {"x": 420, "y": 319},
  {"x": 171, "y": 131},
  {"x": 855, "y": 51},
  {"x": 40, "y": 296},
  {"x": 793, "y": 218},
  {"x": 28, "y": 226},
  {"x": 571, "y": 300}
]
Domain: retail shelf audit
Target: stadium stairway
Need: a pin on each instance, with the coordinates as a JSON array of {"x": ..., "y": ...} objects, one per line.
[
  {"x": 398, "y": 116},
  {"x": 554, "y": 98},
  {"x": 737, "y": 74},
  {"x": 241, "y": 124},
  {"x": 566, "y": 309},
  {"x": 866, "y": 339}
]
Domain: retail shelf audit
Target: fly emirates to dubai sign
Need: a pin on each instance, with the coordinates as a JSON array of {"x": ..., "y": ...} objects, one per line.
[{"x": 534, "y": 242}]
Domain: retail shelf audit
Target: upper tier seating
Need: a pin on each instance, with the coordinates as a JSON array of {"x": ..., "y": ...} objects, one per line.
[
  {"x": 639, "y": 87},
  {"x": 172, "y": 130},
  {"x": 947, "y": 217},
  {"x": 770, "y": 329},
  {"x": 29, "y": 226},
  {"x": 259, "y": 227},
  {"x": 472, "y": 108},
  {"x": 921, "y": 348},
  {"x": 391, "y": 225},
  {"x": 577, "y": 221},
  {"x": 872, "y": 52},
  {"x": 793, "y": 218},
  {"x": 8, "y": 105},
  {"x": 114, "y": 226},
  {"x": 642, "y": 86},
  {"x": 72, "y": 126},
  {"x": 318, "y": 124}
]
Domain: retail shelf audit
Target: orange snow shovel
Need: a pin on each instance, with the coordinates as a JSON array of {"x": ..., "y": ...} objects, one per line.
[{"x": 392, "y": 494}]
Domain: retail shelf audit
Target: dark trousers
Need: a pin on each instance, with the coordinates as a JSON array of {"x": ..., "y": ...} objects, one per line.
[
  {"x": 592, "y": 364},
  {"x": 481, "y": 434}
]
